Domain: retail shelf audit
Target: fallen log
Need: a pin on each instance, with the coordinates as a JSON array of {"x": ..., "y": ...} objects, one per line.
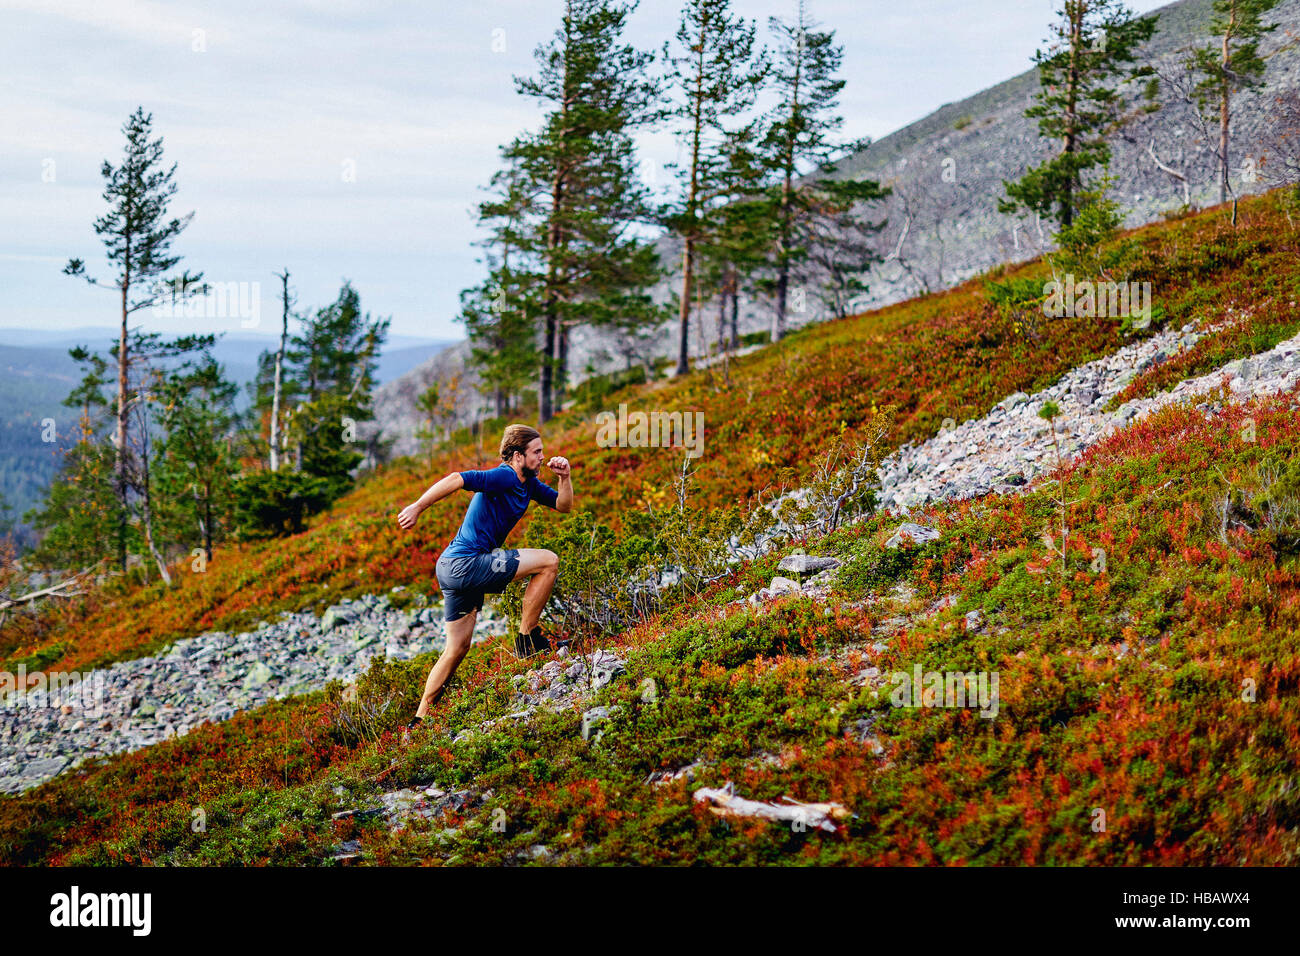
[
  {"x": 724, "y": 802},
  {"x": 51, "y": 591}
]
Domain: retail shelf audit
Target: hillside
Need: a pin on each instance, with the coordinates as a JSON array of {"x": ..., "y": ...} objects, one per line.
[{"x": 1158, "y": 686}]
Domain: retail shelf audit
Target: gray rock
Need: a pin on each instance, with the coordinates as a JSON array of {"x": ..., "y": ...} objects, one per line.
[
  {"x": 401, "y": 801},
  {"x": 45, "y": 768},
  {"x": 334, "y": 617},
  {"x": 604, "y": 672},
  {"x": 256, "y": 677},
  {"x": 649, "y": 690},
  {"x": 594, "y": 718},
  {"x": 918, "y": 533},
  {"x": 552, "y": 670},
  {"x": 803, "y": 563}
]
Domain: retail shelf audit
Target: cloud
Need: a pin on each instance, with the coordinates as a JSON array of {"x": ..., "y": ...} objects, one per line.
[{"x": 140, "y": 20}]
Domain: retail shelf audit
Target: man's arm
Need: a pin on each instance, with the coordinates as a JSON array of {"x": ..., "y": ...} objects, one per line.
[
  {"x": 564, "y": 485},
  {"x": 439, "y": 490},
  {"x": 565, "y": 501}
]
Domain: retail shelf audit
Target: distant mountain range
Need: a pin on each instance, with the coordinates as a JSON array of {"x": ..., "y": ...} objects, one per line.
[
  {"x": 237, "y": 352},
  {"x": 36, "y": 375}
]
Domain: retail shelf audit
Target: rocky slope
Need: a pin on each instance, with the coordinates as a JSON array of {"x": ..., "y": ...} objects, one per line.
[{"x": 211, "y": 677}]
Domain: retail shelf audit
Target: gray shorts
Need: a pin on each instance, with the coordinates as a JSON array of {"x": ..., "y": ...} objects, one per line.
[{"x": 465, "y": 579}]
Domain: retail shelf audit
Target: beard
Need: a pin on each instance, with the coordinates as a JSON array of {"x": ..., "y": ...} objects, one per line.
[{"x": 529, "y": 472}]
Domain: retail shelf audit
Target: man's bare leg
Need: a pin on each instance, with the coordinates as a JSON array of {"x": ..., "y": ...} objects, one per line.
[
  {"x": 459, "y": 634},
  {"x": 543, "y": 565}
]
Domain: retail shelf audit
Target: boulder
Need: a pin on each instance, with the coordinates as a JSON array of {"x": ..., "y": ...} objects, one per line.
[
  {"x": 604, "y": 672},
  {"x": 334, "y": 616},
  {"x": 257, "y": 676},
  {"x": 919, "y": 535},
  {"x": 594, "y": 718},
  {"x": 803, "y": 563}
]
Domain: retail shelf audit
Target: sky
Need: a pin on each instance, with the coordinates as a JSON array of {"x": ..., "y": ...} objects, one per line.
[{"x": 351, "y": 139}]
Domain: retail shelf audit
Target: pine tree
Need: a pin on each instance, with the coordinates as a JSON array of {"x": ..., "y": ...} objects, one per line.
[
  {"x": 276, "y": 440},
  {"x": 581, "y": 177},
  {"x": 275, "y": 391},
  {"x": 798, "y": 132},
  {"x": 80, "y": 517},
  {"x": 335, "y": 360},
  {"x": 745, "y": 233},
  {"x": 612, "y": 290},
  {"x": 1080, "y": 102},
  {"x": 81, "y": 513},
  {"x": 146, "y": 378},
  {"x": 196, "y": 463},
  {"x": 842, "y": 246},
  {"x": 715, "y": 76},
  {"x": 1231, "y": 64},
  {"x": 498, "y": 313},
  {"x": 88, "y": 396},
  {"x": 501, "y": 338},
  {"x": 138, "y": 238},
  {"x": 440, "y": 404}
]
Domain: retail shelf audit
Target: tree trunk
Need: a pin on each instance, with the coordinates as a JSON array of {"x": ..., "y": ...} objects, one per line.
[
  {"x": 692, "y": 197},
  {"x": 148, "y": 537},
  {"x": 1224, "y": 111},
  {"x": 782, "y": 284},
  {"x": 735, "y": 310},
  {"x": 279, "y": 364},
  {"x": 783, "y": 246},
  {"x": 119, "y": 439},
  {"x": 787, "y": 192},
  {"x": 704, "y": 345},
  {"x": 545, "y": 410},
  {"x": 684, "y": 316},
  {"x": 147, "y": 501},
  {"x": 561, "y": 367},
  {"x": 203, "y": 507},
  {"x": 207, "y": 524},
  {"x": 722, "y": 317},
  {"x": 1076, "y": 40}
]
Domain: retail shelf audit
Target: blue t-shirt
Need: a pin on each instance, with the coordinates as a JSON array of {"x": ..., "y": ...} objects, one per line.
[{"x": 500, "y": 502}]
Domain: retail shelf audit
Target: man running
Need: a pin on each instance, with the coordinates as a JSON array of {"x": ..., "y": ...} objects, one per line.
[{"x": 474, "y": 564}]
